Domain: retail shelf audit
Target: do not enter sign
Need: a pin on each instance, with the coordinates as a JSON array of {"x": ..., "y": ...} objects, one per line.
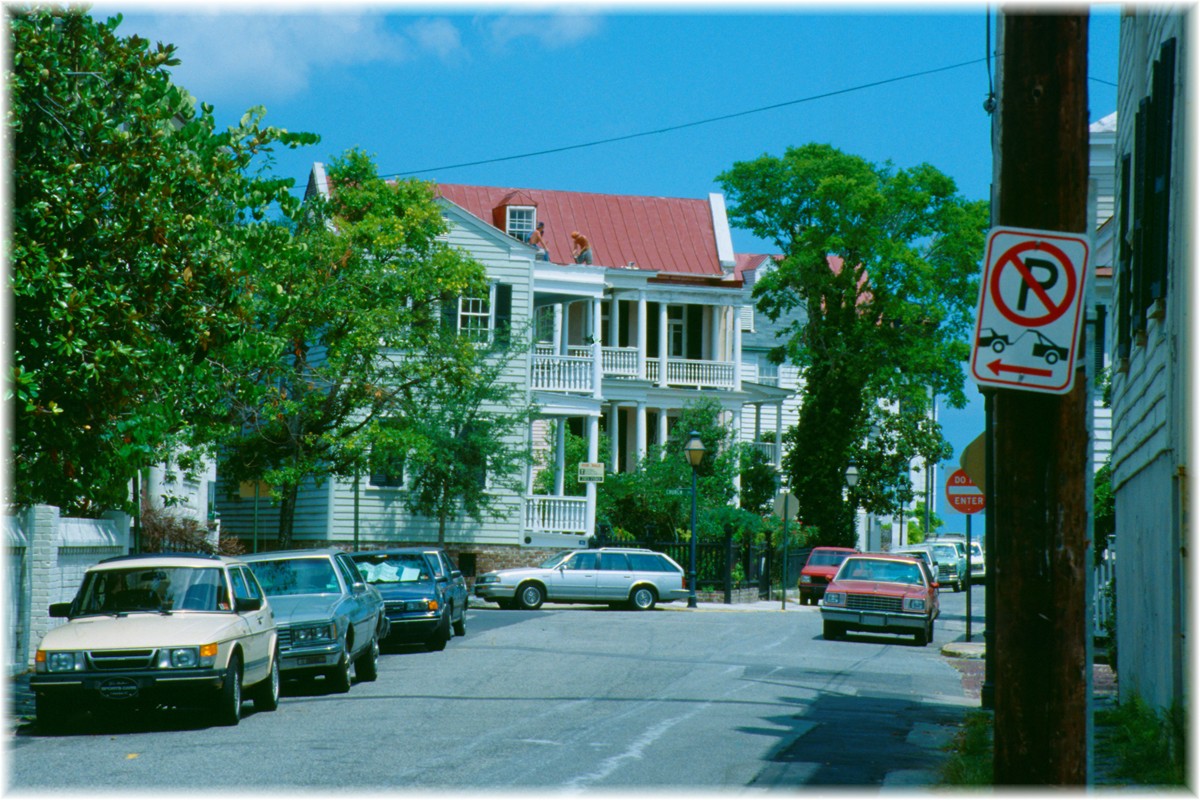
[{"x": 963, "y": 494}]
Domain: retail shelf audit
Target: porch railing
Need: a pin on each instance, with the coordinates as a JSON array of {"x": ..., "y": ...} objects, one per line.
[
  {"x": 694, "y": 372},
  {"x": 554, "y": 514},
  {"x": 562, "y": 373},
  {"x": 620, "y": 361},
  {"x": 573, "y": 372},
  {"x": 768, "y": 449}
]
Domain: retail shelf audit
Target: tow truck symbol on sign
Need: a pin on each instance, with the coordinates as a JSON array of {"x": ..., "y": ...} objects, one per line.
[{"x": 1044, "y": 348}]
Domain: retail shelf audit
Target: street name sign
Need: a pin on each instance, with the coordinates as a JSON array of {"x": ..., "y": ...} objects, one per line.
[
  {"x": 1030, "y": 307},
  {"x": 591, "y": 473},
  {"x": 964, "y": 496}
]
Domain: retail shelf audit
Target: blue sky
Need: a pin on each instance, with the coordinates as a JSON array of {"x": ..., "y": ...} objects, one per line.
[{"x": 424, "y": 88}]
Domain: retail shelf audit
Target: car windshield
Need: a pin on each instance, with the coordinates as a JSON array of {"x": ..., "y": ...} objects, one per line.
[
  {"x": 826, "y": 559},
  {"x": 945, "y": 551},
  {"x": 111, "y": 591},
  {"x": 393, "y": 568},
  {"x": 976, "y": 550},
  {"x": 296, "y": 576},
  {"x": 883, "y": 571},
  {"x": 556, "y": 559}
]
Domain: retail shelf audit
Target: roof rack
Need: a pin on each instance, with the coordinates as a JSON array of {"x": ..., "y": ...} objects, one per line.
[{"x": 139, "y": 556}]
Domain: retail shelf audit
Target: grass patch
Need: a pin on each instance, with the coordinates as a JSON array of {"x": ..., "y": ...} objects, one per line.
[
  {"x": 970, "y": 761},
  {"x": 1149, "y": 745}
]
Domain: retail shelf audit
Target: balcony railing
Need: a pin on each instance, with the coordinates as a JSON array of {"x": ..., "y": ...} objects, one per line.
[
  {"x": 562, "y": 373},
  {"x": 768, "y": 449},
  {"x": 692, "y": 372},
  {"x": 616, "y": 361},
  {"x": 554, "y": 514}
]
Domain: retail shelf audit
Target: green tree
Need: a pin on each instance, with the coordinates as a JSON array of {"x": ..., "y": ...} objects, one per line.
[
  {"x": 655, "y": 499},
  {"x": 1104, "y": 510},
  {"x": 135, "y": 229},
  {"x": 576, "y": 452},
  {"x": 351, "y": 317},
  {"x": 464, "y": 432},
  {"x": 916, "y": 523},
  {"x": 877, "y": 286}
]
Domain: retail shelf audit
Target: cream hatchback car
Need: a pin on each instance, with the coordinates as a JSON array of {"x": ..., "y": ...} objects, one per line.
[{"x": 169, "y": 629}]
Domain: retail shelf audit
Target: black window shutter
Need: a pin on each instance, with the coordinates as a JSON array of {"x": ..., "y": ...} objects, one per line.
[
  {"x": 1163, "y": 105},
  {"x": 450, "y": 314},
  {"x": 1140, "y": 209},
  {"x": 1124, "y": 262},
  {"x": 695, "y": 332},
  {"x": 503, "y": 311}
]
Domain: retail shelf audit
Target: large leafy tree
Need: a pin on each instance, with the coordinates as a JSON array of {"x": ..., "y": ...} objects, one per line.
[
  {"x": 350, "y": 315},
  {"x": 460, "y": 433},
  {"x": 135, "y": 222},
  {"x": 877, "y": 285}
]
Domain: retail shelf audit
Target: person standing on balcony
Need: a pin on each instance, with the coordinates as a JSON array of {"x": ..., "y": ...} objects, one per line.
[
  {"x": 538, "y": 240},
  {"x": 581, "y": 248}
]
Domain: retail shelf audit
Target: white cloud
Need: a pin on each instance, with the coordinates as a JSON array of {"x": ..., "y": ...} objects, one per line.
[
  {"x": 559, "y": 30},
  {"x": 277, "y": 54}
]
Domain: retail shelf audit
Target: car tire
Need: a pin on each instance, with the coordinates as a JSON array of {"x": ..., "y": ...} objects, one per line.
[
  {"x": 642, "y": 598},
  {"x": 51, "y": 714},
  {"x": 460, "y": 627},
  {"x": 229, "y": 699},
  {"x": 366, "y": 666},
  {"x": 440, "y": 636},
  {"x": 266, "y": 694},
  {"x": 921, "y": 637},
  {"x": 832, "y": 631},
  {"x": 530, "y": 597},
  {"x": 338, "y": 678}
]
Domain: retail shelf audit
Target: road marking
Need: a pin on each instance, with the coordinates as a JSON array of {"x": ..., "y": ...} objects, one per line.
[{"x": 634, "y": 752}]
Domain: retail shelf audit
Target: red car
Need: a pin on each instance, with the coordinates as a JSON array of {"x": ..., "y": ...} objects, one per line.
[
  {"x": 822, "y": 565},
  {"x": 881, "y": 593}
]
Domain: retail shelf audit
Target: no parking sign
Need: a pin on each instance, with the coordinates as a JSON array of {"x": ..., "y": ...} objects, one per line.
[{"x": 1030, "y": 304}]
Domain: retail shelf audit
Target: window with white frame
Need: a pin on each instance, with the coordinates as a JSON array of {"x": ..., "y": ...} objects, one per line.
[
  {"x": 475, "y": 318},
  {"x": 520, "y": 221},
  {"x": 676, "y": 331}
]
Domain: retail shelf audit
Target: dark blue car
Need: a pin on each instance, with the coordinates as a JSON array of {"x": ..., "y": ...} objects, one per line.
[{"x": 424, "y": 594}]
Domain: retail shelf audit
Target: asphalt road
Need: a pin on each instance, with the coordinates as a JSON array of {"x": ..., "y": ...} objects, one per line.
[{"x": 568, "y": 698}]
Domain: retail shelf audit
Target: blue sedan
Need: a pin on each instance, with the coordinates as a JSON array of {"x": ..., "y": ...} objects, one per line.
[{"x": 424, "y": 594}]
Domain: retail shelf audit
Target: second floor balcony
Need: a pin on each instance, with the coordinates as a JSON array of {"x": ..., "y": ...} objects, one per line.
[{"x": 575, "y": 371}]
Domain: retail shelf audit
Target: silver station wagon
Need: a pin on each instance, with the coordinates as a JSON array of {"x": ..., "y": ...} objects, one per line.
[{"x": 619, "y": 576}]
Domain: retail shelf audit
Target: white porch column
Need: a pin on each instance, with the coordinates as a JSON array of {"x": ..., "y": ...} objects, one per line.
[
  {"x": 529, "y": 464},
  {"x": 593, "y": 437},
  {"x": 642, "y": 322},
  {"x": 640, "y": 430},
  {"x": 560, "y": 339},
  {"x": 614, "y": 322},
  {"x": 779, "y": 435},
  {"x": 597, "y": 351},
  {"x": 662, "y": 344},
  {"x": 662, "y": 431},
  {"x": 736, "y": 421},
  {"x": 614, "y": 449},
  {"x": 715, "y": 326},
  {"x": 735, "y": 318},
  {"x": 560, "y": 454}
]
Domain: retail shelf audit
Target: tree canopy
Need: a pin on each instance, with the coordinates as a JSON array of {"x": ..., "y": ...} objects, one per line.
[
  {"x": 136, "y": 224},
  {"x": 877, "y": 283},
  {"x": 349, "y": 320}
]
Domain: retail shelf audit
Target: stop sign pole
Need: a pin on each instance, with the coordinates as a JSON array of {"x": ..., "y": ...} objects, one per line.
[{"x": 966, "y": 497}]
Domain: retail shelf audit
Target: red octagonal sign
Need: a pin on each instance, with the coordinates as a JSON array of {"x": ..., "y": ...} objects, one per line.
[{"x": 963, "y": 494}]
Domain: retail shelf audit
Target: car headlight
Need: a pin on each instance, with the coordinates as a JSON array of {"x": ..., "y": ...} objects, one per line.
[
  {"x": 914, "y": 604},
  {"x": 58, "y": 661},
  {"x": 806, "y": 578},
  {"x": 314, "y": 634},
  {"x": 488, "y": 579},
  {"x": 178, "y": 658},
  {"x": 835, "y": 599}
]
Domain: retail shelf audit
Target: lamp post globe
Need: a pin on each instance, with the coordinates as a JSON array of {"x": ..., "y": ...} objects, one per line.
[{"x": 694, "y": 450}]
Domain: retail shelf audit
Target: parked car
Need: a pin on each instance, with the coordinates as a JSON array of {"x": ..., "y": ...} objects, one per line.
[
  {"x": 951, "y": 563},
  {"x": 978, "y": 563},
  {"x": 328, "y": 617},
  {"x": 631, "y": 577},
  {"x": 822, "y": 565},
  {"x": 922, "y": 551},
  {"x": 424, "y": 594},
  {"x": 176, "y": 629},
  {"x": 881, "y": 593}
]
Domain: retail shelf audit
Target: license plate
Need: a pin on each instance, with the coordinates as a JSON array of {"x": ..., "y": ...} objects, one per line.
[
  {"x": 119, "y": 688},
  {"x": 874, "y": 619},
  {"x": 306, "y": 660}
]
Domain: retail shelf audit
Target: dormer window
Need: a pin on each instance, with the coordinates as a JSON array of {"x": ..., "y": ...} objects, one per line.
[{"x": 519, "y": 222}]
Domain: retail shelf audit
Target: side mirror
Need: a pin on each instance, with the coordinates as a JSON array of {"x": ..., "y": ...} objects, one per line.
[
  {"x": 60, "y": 610},
  {"x": 934, "y": 585},
  {"x": 456, "y": 575},
  {"x": 241, "y": 604}
]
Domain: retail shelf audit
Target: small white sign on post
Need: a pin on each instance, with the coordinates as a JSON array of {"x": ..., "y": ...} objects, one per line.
[{"x": 591, "y": 473}]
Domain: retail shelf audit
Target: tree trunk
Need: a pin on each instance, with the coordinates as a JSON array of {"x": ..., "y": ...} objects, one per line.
[{"x": 287, "y": 514}]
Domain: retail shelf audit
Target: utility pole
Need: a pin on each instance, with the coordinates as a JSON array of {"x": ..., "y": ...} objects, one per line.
[{"x": 1040, "y": 449}]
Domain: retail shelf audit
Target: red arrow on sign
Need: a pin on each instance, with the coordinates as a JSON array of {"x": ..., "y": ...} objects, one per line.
[{"x": 998, "y": 366}]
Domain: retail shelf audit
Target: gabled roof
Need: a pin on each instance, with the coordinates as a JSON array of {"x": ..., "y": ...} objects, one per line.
[{"x": 662, "y": 234}]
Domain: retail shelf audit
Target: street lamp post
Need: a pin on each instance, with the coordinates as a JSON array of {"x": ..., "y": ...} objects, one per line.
[
  {"x": 851, "y": 482},
  {"x": 694, "y": 449}
]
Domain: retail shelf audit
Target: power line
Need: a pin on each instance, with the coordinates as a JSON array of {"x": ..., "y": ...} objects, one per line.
[{"x": 694, "y": 124}]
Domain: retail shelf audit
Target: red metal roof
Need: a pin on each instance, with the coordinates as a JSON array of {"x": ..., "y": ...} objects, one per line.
[{"x": 663, "y": 234}]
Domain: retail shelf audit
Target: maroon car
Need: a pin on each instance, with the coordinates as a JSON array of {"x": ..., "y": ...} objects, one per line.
[{"x": 822, "y": 565}]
